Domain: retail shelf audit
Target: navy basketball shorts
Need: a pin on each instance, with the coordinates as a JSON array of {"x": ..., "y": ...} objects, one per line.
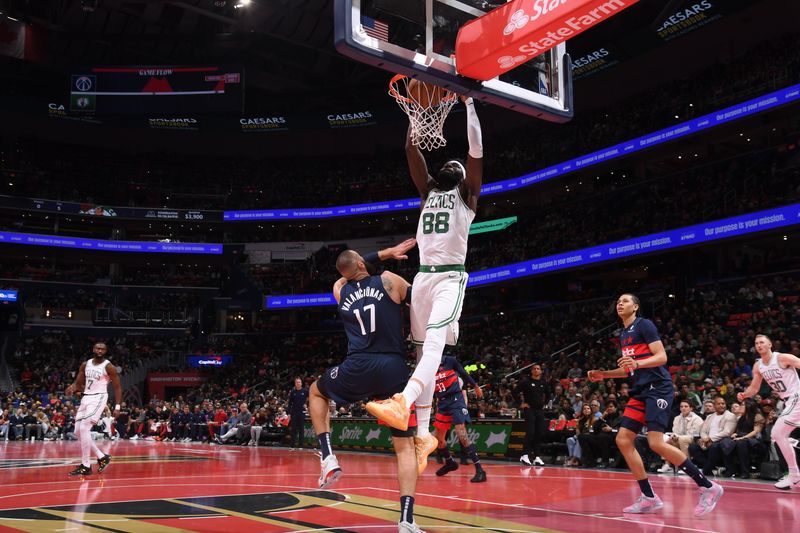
[
  {"x": 651, "y": 406},
  {"x": 364, "y": 377},
  {"x": 451, "y": 411}
]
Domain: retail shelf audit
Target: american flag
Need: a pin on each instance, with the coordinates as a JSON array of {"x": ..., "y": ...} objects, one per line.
[{"x": 375, "y": 28}]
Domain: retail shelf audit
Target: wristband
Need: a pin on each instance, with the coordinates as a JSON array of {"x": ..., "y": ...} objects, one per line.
[
  {"x": 116, "y": 407},
  {"x": 372, "y": 258}
]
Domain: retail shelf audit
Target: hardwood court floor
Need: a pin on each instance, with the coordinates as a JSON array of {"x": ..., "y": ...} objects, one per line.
[{"x": 169, "y": 487}]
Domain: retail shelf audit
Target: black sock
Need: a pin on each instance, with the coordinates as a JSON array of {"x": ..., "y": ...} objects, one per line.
[
  {"x": 473, "y": 454},
  {"x": 407, "y": 509},
  {"x": 693, "y": 472},
  {"x": 445, "y": 452},
  {"x": 325, "y": 444},
  {"x": 647, "y": 490}
]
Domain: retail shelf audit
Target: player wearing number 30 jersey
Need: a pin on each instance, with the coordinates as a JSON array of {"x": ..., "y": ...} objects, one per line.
[
  {"x": 448, "y": 204},
  {"x": 779, "y": 370}
]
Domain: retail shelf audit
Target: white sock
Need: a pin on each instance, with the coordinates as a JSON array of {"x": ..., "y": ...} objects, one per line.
[
  {"x": 84, "y": 435},
  {"x": 424, "y": 404},
  {"x": 427, "y": 365}
]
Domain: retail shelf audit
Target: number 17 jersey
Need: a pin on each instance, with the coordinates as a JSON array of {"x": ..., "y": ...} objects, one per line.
[
  {"x": 443, "y": 228},
  {"x": 372, "y": 320}
]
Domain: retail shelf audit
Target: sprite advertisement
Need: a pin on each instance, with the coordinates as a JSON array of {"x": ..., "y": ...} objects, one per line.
[{"x": 489, "y": 438}]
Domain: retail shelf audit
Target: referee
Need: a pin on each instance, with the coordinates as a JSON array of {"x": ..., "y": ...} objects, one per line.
[{"x": 535, "y": 393}]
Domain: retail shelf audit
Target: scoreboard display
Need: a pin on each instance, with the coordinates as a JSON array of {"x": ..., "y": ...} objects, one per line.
[{"x": 172, "y": 90}]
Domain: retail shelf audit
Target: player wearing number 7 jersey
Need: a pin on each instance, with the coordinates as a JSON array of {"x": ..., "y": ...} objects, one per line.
[
  {"x": 448, "y": 204},
  {"x": 779, "y": 370}
]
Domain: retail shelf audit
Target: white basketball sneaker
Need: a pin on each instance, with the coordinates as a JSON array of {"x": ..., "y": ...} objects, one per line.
[
  {"x": 788, "y": 481},
  {"x": 330, "y": 471},
  {"x": 644, "y": 505},
  {"x": 405, "y": 527}
]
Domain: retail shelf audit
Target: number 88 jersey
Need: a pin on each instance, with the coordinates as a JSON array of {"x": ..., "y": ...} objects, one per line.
[{"x": 443, "y": 228}]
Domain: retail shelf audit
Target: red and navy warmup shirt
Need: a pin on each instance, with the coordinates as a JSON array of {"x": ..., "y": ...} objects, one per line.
[
  {"x": 447, "y": 377},
  {"x": 634, "y": 341}
]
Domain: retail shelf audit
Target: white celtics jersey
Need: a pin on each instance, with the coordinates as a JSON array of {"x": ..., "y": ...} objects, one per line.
[
  {"x": 443, "y": 229},
  {"x": 784, "y": 381},
  {"x": 96, "y": 377}
]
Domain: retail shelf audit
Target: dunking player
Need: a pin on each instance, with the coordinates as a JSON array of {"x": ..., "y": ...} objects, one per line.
[
  {"x": 371, "y": 308},
  {"x": 643, "y": 357},
  {"x": 93, "y": 376},
  {"x": 449, "y": 201},
  {"x": 452, "y": 409},
  {"x": 780, "y": 372}
]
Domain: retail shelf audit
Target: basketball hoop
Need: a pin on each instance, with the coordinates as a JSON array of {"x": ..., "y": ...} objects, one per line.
[{"x": 427, "y": 107}]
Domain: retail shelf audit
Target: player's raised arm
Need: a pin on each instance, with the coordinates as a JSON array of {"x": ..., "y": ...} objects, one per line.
[
  {"x": 786, "y": 360},
  {"x": 417, "y": 166},
  {"x": 337, "y": 288},
  {"x": 396, "y": 286},
  {"x": 474, "y": 179}
]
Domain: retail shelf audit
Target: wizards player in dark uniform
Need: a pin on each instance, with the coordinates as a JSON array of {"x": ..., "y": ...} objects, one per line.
[
  {"x": 451, "y": 409},
  {"x": 371, "y": 308},
  {"x": 643, "y": 359}
]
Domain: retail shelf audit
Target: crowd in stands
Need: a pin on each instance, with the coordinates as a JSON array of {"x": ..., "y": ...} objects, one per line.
[
  {"x": 598, "y": 211},
  {"x": 72, "y": 174},
  {"x": 177, "y": 275}
]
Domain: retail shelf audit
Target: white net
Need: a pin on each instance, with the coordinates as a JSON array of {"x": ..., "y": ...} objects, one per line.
[{"x": 427, "y": 107}]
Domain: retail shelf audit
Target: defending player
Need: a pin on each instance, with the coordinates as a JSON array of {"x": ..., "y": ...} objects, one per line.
[
  {"x": 371, "y": 308},
  {"x": 780, "y": 372},
  {"x": 451, "y": 410},
  {"x": 643, "y": 358},
  {"x": 449, "y": 202},
  {"x": 93, "y": 376}
]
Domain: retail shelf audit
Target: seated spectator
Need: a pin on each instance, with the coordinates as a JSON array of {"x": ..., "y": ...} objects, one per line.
[
  {"x": 585, "y": 422},
  {"x": 715, "y": 438},
  {"x": 4, "y": 426},
  {"x": 259, "y": 421},
  {"x": 599, "y": 441},
  {"x": 747, "y": 439},
  {"x": 685, "y": 429}
]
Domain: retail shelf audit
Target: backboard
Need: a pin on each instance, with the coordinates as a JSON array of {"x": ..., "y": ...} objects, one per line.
[{"x": 417, "y": 38}]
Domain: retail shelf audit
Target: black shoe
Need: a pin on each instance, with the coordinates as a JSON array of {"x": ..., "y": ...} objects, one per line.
[
  {"x": 448, "y": 467},
  {"x": 81, "y": 471},
  {"x": 102, "y": 463},
  {"x": 480, "y": 477}
]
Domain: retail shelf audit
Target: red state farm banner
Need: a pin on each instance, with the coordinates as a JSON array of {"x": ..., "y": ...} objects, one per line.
[{"x": 523, "y": 29}]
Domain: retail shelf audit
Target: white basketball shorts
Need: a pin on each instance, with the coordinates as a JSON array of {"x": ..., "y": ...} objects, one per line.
[
  {"x": 92, "y": 407},
  {"x": 436, "y": 302}
]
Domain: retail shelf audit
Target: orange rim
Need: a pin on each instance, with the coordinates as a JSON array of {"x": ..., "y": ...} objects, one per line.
[
  {"x": 393, "y": 89},
  {"x": 448, "y": 94}
]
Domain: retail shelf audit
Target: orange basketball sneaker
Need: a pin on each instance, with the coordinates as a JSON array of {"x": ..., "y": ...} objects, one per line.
[
  {"x": 424, "y": 446},
  {"x": 393, "y": 412}
]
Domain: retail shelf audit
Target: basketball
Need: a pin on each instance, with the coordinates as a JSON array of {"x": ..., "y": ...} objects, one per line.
[{"x": 425, "y": 94}]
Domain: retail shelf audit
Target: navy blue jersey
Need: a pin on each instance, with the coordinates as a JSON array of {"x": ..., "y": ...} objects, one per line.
[
  {"x": 447, "y": 378},
  {"x": 372, "y": 320},
  {"x": 297, "y": 400},
  {"x": 634, "y": 341}
]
